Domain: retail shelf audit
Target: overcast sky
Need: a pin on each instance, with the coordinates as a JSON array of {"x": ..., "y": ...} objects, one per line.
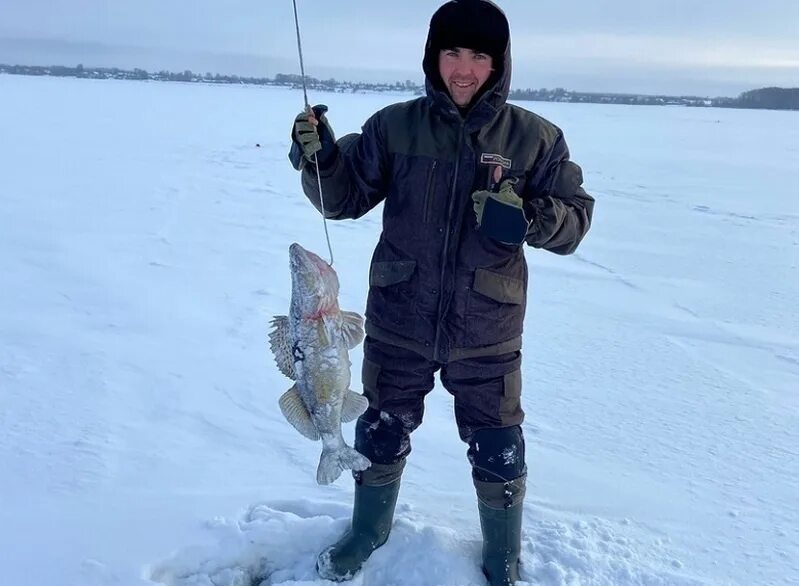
[{"x": 704, "y": 47}]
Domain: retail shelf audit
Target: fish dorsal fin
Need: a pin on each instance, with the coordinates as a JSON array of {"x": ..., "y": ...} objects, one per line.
[
  {"x": 280, "y": 342},
  {"x": 354, "y": 405},
  {"x": 352, "y": 328},
  {"x": 296, "y": 413}
]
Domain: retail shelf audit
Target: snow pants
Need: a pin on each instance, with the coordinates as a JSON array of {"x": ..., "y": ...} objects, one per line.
[{"x": 488, "y": 412}]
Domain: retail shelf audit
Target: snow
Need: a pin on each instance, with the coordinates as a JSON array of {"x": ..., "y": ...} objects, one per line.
[{"x": 144, "y": 249}]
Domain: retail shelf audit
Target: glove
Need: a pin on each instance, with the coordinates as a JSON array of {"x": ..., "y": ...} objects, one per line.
[
  {"x": 500, "y": 214},
  {"x": 312, "y": 143}
]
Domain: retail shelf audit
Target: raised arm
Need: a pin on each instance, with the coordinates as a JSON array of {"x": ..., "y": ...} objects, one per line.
[{"x": 353, "y": 170}]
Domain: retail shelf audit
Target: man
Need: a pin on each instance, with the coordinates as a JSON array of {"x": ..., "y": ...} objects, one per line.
[{"x": 466, "y": 180}]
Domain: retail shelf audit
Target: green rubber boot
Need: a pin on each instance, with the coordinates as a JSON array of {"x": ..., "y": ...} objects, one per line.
[
  {"x": 372, "y": 514},
  {"x": 500, "y": 505}
]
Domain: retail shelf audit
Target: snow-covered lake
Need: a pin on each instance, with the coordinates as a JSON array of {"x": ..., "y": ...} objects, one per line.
[{"x": 144, "y": 246}]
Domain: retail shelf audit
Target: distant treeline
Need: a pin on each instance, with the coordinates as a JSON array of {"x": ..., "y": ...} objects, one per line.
[
  {"x": 770, "y": 98},
  {"x": 562, "y": 95},
  {"x": 293, "y": 81},
  {"x": 767, "y": 98}
]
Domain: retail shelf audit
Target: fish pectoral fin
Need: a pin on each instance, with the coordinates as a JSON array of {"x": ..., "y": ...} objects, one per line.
[
  {"x": 296, "y": 413},
  {"x": 352, "y": 328},
  {"x": 354, "y": 405},
  {"x": 280, "y": 342}
]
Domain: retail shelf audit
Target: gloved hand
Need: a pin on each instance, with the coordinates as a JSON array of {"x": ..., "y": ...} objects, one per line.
[
  {"x": 312, "y": 141},
  {"x": 500, "y": 214}
]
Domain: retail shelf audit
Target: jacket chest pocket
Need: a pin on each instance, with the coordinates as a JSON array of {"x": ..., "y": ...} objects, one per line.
[
  {"x": 429, "y": 196},
  {"x": 492, "y": 177}
]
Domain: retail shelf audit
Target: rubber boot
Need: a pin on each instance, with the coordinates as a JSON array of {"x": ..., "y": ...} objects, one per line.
[
  {"x": 376, "y": 491},
  {"x": 500, "y": 505}
]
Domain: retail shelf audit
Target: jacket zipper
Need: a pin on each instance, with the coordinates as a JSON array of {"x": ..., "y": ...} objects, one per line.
[
  {"x": 445, "y": 251},
  {"x": 428, "y": 198}
]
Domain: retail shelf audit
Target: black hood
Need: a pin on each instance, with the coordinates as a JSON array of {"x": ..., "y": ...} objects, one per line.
[{"x": 479, "y": 25}]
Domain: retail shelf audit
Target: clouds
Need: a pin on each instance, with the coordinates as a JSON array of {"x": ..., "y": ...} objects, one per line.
[
  {"x": 679, "y": 18},
  {"x": 735, "y": 39}
]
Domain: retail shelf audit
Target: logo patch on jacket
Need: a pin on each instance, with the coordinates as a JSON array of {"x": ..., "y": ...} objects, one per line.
[
  {"x": 494, "y": 159},
  {"x": 496, "y": 164}
]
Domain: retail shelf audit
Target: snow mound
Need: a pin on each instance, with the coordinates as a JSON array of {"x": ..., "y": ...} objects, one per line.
[{"x": 276, "y": 544}]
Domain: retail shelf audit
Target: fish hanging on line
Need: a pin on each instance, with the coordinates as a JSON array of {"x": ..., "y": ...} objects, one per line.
[{"x": 311, "y": 346}]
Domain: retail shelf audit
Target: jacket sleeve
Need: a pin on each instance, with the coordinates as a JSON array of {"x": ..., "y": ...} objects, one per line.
[
  {"x": 356, "y": 180},
  {"x": 560, "y": 208}
]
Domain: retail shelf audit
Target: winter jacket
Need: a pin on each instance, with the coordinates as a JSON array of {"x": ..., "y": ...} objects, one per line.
[{"x": 437, "y": 285}]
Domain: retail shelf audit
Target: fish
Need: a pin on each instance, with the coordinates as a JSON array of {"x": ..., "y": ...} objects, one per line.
[{"x": 311, "y": 347}]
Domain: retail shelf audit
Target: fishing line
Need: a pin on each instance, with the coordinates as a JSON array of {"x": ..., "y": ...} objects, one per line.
[{"x": 308, "y": 109}]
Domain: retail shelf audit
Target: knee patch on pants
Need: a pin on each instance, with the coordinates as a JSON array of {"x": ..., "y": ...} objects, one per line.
[
  {"x": 497, "y": 454},
  {"x": 381, "y": 437}
]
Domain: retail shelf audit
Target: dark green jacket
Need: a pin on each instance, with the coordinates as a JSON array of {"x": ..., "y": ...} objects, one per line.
[{"x": 437, "y": 285}]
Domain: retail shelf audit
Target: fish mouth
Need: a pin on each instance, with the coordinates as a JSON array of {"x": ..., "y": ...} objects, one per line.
[
  {"x": 295, "y": 250},
  {"x": 300, "y": 257},
  {"x": 313, "y": 275}
]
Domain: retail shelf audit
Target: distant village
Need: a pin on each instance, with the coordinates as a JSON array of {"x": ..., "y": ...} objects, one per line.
[{"x": 766, "y": 98}]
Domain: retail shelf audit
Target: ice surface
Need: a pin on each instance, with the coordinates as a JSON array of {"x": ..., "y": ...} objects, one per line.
[{"x": 144, "y": 246}]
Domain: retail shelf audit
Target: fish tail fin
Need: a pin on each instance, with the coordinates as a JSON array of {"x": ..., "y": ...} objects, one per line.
[{"x": 334, "y": 461}]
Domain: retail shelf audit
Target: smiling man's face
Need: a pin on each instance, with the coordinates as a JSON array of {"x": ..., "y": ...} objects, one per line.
[{"x": 464, "y": 72}]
